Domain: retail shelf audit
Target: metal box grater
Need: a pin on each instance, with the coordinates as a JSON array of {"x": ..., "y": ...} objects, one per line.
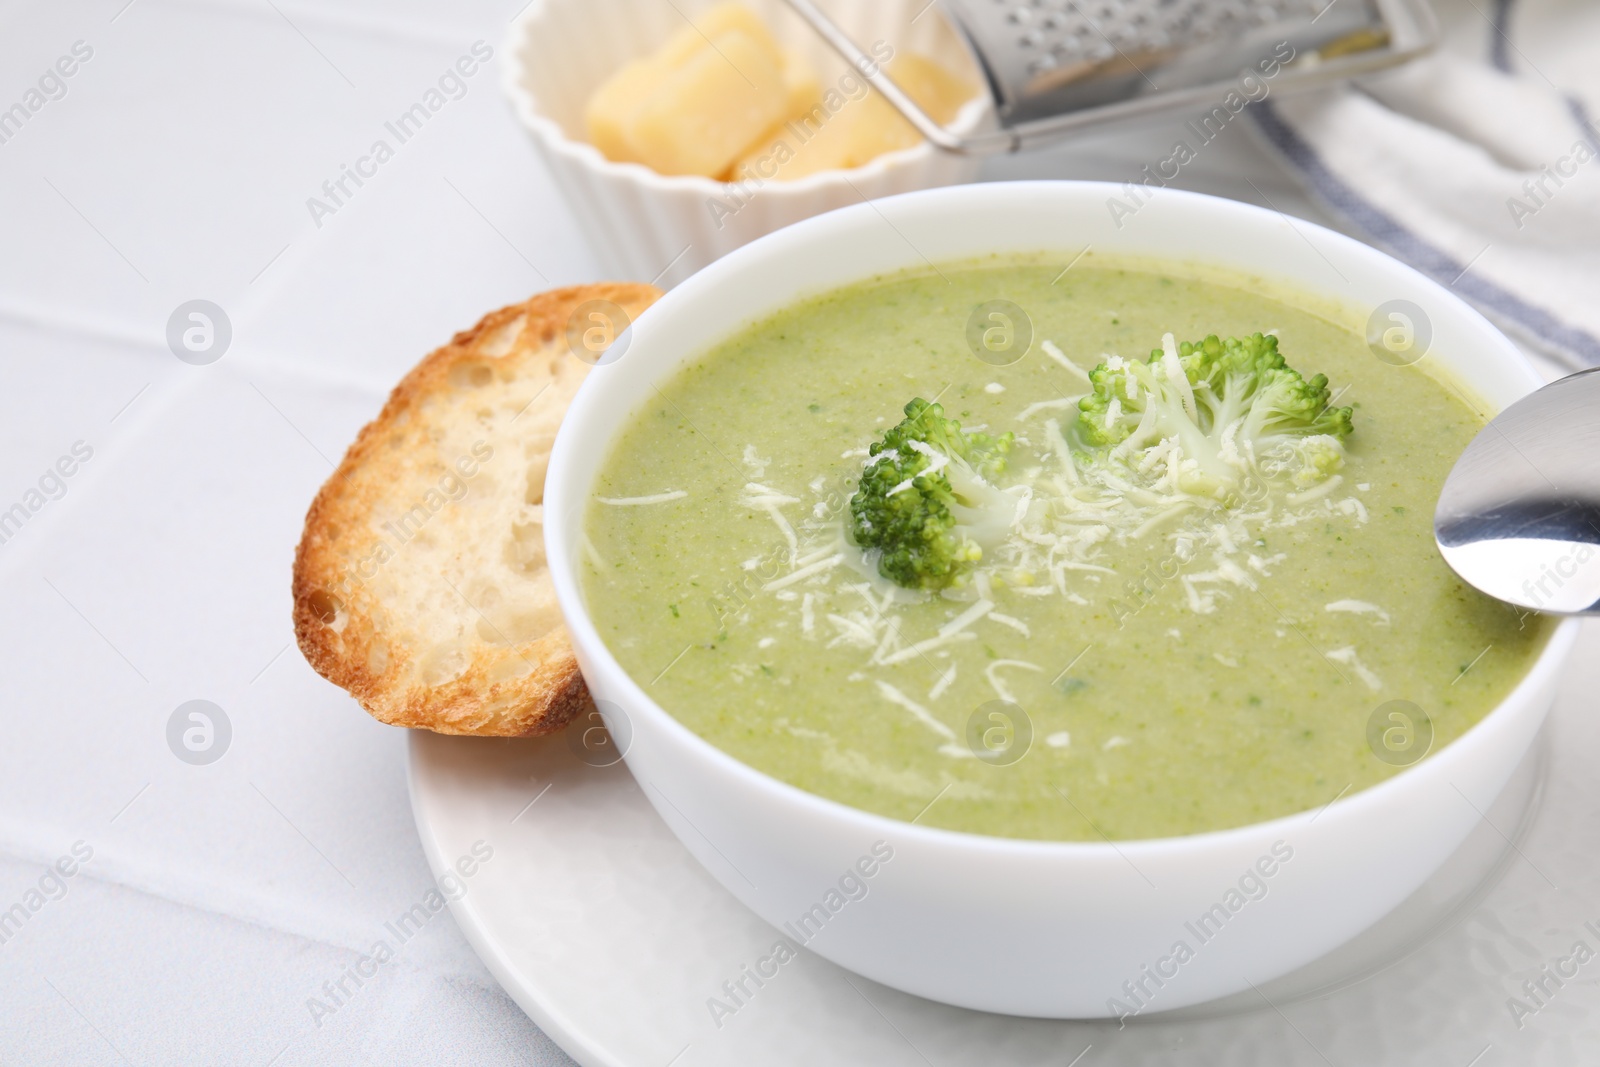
[{"x": 1055, "y": 66}]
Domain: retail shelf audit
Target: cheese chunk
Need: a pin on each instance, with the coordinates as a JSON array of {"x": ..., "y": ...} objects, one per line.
[
  {"x": 624, "y": 129},
  {"x": 721, "y": 99},
  {"x": 612, "y": 107},
  {"x": 835, "y": 132},
  {"x": 706, "y": 26},
  {"x": 704, "y": 114},
  {"x": 799, "y": 146},
  {"x": 801, "y": 86},
  {"x": 878, "y": 128},
  {"x": 939, "y": 91}
]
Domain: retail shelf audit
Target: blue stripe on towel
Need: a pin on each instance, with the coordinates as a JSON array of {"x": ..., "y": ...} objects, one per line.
[
  {"x": 1438, "y": 265},
  {"x": 1580, "y": 115},
  {"x": 1501, "y": 24}
]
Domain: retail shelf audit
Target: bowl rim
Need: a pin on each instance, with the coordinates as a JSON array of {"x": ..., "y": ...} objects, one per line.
[
  {"x": 556, "y": 140},
  {"x": 589, "y": 405}
]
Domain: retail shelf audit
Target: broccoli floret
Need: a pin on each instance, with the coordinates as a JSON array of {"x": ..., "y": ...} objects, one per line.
[
  {"x": 1303, "y": 461},
  {"x": 926, "y": 503},
  {"x": 1230, "y": 407}
]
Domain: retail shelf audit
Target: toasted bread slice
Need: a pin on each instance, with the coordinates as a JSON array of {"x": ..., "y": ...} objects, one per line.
[{"x": 420, "y": 583}]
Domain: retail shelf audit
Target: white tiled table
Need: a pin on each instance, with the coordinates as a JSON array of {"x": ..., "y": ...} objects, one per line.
[{"x": 177, "y": 166}]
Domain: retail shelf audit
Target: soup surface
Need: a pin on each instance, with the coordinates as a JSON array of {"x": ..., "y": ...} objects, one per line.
[{"x": 1207, "y": 670}]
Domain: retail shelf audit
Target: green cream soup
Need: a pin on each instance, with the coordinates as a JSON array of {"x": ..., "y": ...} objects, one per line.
[{"x": 1198, "y": 669}]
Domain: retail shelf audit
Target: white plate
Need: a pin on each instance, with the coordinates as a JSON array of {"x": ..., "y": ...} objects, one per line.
[{"x": 613, "y": 939}]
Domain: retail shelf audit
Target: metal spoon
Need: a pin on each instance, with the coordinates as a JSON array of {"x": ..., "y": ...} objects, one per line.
[{"x": 1519, "y": 517}]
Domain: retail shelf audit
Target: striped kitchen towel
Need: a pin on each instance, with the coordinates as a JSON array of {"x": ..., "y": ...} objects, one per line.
[{"x": 1478, "y": 165}]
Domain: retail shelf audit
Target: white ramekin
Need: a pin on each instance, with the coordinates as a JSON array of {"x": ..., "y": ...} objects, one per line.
[
  {"x": 653, "y": 227},
  {"x": 1027, "y": 927}
]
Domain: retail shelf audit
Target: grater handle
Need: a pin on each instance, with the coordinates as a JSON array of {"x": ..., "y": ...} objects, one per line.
[{"x": 870, "y": 69}]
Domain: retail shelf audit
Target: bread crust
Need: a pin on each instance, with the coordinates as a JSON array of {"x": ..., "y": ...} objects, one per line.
[{"x": 336, "y": 621}]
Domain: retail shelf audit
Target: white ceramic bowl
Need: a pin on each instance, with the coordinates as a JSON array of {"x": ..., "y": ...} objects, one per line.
[
  {"x": 1027, "y": 927},
  {"x": 652, "y": 227}
]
